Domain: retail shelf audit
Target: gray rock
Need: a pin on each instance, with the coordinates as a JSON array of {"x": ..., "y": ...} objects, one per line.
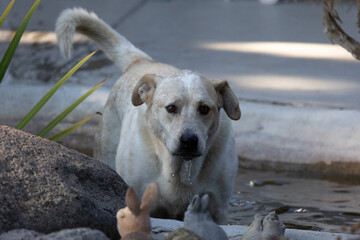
[
  {"x": 75, "y": 234},
  {"x": 20, "y": 234},
  {"x": 47, "y": 187},
  {"x": 67, "y": 234}
]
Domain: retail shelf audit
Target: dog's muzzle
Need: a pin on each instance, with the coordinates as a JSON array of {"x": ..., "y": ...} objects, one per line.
[{"x": 188, "y": 148}]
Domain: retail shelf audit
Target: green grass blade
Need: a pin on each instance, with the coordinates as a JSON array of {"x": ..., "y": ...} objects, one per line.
[
  {"x": 4, "y": 64},
  {"x": 51, "y": 92},
  {"x": 68, "y": 110},
  {"x": 6, "y": 12},
  {"x": 62, "y": 134}
]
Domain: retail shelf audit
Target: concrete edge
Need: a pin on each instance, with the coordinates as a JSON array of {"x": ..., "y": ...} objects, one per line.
[
  {"x": 286, "y": 138},
  {"x": 298, "y": 134}
]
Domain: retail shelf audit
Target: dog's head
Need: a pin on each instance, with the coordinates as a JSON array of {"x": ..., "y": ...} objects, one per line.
[{"x": 184, "y": 110}]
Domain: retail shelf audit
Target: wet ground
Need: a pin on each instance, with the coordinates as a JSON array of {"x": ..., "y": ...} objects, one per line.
[{"x": 301, "y": 203}]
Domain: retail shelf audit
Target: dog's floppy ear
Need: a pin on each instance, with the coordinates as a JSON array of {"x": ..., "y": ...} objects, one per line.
[
  {"x": 144, "y": 90},
  {"x": 227, "y": 99}
]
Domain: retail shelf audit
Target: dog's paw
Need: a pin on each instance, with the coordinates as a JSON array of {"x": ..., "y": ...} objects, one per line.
[{"x": 265, "y": 228}]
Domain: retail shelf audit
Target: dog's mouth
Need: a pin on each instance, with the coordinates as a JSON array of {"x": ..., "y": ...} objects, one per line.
[{"x": 187, "y": 156}]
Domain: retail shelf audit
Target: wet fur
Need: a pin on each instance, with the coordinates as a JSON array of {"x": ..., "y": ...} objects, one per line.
[{"x": 140, "y": 139}]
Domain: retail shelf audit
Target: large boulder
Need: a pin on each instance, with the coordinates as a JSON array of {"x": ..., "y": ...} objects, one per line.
[{"x": 47, "y": 187}]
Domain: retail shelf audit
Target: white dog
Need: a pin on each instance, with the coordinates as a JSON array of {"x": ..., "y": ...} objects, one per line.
[{"x": 161, "y": 124}]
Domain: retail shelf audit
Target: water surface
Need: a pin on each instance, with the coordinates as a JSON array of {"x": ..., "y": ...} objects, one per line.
[{"x": 302, "y": 203}]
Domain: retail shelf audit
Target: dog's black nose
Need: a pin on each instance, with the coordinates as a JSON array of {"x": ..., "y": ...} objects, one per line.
[
  {"x": 188, "y": 147},
  {"x": 189, "y": 140}
]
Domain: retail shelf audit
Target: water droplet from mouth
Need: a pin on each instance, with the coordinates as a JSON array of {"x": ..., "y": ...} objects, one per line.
[
  {"x": 188, "y": 165},
  {"x": 173, "y": 174}
]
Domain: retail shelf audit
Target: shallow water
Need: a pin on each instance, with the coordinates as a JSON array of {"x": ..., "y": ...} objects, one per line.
[{"x": 302, "y": 203}]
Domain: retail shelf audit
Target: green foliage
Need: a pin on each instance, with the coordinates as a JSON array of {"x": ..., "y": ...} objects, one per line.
[
  {"x": 51, "y": 92},
  {"x": 60, "y": 135},
  {"x": 68, "y": 110},
  {"x": 6, "y": 12},
  {"x": 4, "y": 64}
]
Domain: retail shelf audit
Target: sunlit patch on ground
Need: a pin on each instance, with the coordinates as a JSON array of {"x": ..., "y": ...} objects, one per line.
[
  {"x": 284, "y": 49},
  {"x": 36, "y": 37}
]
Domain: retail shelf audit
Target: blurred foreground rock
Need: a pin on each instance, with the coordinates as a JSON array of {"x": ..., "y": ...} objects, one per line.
[
  {"x": 47, "y": 187},
  {"x": 68, "y": 234}
]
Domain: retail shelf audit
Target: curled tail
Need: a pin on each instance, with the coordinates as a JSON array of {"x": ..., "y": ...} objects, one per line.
[{"x": 116, "y": 47}]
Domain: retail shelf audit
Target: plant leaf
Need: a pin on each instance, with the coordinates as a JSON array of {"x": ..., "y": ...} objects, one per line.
[
  {"x": 4, "y": 64},
  {"x": 68, "y": 110},
  {"x": 70, "y": 129},
  {"x": 6, "y": 12},
  {"x": 51, "y": 92}
]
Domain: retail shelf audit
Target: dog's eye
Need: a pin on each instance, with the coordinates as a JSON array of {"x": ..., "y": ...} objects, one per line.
[
  {"x": 203, "y": 110},
  {"x": 171, "y": 109}
]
